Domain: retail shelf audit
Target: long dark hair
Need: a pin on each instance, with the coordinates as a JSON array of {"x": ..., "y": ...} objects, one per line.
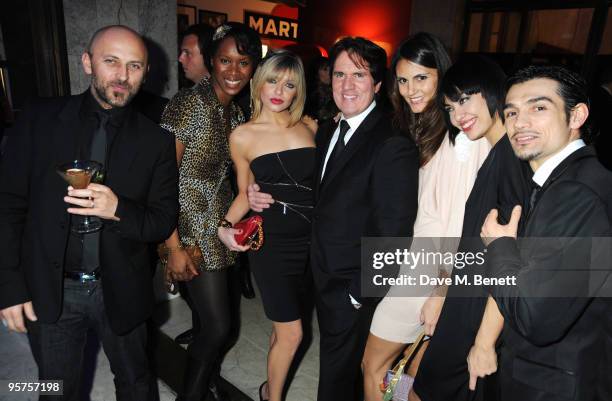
[{"x": 427, "y": 128}]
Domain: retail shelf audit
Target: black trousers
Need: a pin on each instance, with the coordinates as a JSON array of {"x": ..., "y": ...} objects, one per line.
[
  {"x": 340, "y": 377},
  {"x": 58, "y": 347},
  {"x": 210, "y": 297}
]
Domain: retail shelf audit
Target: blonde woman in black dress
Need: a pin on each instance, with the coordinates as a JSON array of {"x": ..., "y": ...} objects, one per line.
[{"x": 276, "y": 149}]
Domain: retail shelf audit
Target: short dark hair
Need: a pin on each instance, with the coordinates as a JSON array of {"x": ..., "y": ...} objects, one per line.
[
  {"x": 203, "y": 32},
  {"x": 361, "y": 48},
  {"x": 471, "y": 75},
  {"x": 247, "y": 42},
  {"x": 572, "y": 88}
]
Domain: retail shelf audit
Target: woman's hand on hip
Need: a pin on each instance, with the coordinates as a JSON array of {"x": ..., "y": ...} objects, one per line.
[{"x": 258, "y": 201}]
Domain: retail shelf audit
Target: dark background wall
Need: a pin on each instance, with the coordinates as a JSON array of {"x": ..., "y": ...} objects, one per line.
[
  {"x": 19, "y": 50},
  {"x": 386, "y": 22},
  {"x": 155, "y": 20}
]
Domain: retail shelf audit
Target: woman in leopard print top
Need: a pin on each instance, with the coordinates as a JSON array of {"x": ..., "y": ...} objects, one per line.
[
  {"x": 201, "y": 125},
  {"x": 201, "y": 119}
]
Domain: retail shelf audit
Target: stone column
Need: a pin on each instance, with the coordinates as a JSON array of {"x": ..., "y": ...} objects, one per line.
[{"x": 154, "y": 19}]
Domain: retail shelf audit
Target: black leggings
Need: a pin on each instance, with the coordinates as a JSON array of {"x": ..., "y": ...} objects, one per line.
[{"x": 210, "y": 299}]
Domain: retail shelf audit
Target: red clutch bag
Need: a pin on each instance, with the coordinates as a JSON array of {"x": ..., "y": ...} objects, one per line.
[{"x": 252, "y": 232}]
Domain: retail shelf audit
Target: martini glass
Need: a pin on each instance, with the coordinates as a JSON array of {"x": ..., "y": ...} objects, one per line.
[{"x": 78, "y": 174}]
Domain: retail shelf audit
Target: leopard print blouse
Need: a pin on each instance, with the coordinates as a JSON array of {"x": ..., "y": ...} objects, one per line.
[{"x": 201, "y": 123}]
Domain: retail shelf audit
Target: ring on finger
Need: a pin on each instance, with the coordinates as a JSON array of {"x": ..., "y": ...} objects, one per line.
[{"x": 93, "y": 203}]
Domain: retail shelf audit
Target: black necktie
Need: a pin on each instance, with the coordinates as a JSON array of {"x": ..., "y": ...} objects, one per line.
[
  {"x": 534, "y": 197},
  {"x": 91, "y": 241},
  {"x": 98, "y": 140},
  {"x": 338, "y": 147}
]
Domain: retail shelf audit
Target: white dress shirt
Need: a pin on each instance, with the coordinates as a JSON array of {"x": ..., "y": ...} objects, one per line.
[
  {"x": 545, "y": 170},
  {"x": 354, "y": 123}
]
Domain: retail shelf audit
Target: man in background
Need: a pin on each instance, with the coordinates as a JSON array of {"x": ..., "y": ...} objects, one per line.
[{"x": 195, "y": 40}]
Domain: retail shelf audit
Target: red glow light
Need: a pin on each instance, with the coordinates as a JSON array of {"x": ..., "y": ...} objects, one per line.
[
  {"x": 282, "y": 10},
  {"x": 367, "y": 20}
]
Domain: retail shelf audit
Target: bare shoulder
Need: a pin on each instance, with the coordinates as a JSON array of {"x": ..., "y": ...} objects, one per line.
[{"x": 242, "y": 134}]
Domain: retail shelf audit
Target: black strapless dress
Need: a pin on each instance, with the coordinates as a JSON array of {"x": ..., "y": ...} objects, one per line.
[{"x": 279, "y": 266}]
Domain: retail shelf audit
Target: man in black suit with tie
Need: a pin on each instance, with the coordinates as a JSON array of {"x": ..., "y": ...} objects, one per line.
[
  {"x": 554, "y": 337},
  {"x": 65, "y": 282},
  {"x": 367, "y": 187}
]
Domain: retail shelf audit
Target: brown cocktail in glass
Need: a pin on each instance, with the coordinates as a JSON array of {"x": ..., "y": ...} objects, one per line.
[{"x": 78, "y": 174}]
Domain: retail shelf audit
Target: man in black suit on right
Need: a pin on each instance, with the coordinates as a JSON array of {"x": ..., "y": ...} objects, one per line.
[
  {"x": 554, "y": 339},
  {"x": 366, "y": 186}
]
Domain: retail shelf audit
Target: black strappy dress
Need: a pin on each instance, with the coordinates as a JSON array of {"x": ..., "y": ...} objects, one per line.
[{"x": 280, "y": 266}]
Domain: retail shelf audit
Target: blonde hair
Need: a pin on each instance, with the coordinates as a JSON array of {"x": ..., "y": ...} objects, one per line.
[{"x": 273, "y": 66}]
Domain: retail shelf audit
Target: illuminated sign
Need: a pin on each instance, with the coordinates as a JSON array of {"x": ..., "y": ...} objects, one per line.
[{"x": 271, "y": 26}]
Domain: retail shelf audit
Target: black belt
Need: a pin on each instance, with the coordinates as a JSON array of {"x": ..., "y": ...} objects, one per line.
[{"x": 83, "y": 277}]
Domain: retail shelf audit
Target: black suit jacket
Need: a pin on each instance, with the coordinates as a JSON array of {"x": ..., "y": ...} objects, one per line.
[
  {"x": 370, "y": 191},
  {"x": 553, "y": 345},
  {"x": 141, "y": 171}
]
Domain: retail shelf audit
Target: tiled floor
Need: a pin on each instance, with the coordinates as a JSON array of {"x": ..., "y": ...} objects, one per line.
[
  {"x": 17, "y": 363},
  {"x": 244, "y": 366}
]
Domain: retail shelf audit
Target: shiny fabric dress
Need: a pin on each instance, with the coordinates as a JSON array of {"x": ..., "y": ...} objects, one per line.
[
  {"x": 279, "y": 266},
  {"x": 201, "y": 123}
]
